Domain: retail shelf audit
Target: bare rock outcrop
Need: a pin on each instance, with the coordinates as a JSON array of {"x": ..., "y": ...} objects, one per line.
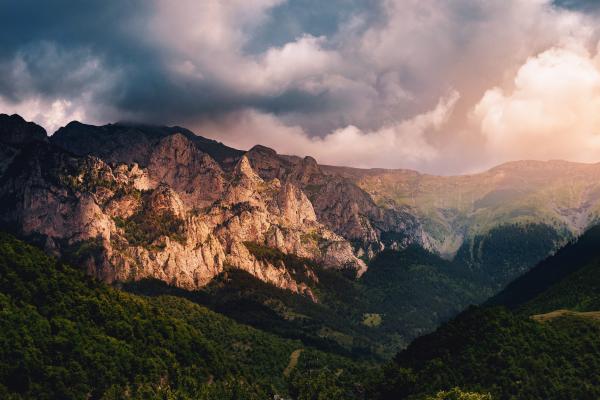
[
  {"x": 180, "y": 219},
  {"x": 339, "y": 203},
  {"x": 177, "y": 162},
  {"x": 14, "y": 130}
]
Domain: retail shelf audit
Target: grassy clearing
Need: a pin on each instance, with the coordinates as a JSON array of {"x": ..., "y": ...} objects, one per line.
[
  {"x": 563, "y": 313},
  {"x": 293, "y": 362},
  {"x": 372, "y": 320}
]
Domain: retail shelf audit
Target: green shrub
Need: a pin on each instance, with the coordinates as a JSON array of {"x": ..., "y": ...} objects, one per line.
[{"x": 145, "y": 227}]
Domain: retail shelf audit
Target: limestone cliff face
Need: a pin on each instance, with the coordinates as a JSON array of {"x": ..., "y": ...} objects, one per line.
[
  {"x": 180, "y": 219},
  {"x": 198, "y": 170},
  {"x": 340, "y": 204},
  {"x": 176, "y": 161}
]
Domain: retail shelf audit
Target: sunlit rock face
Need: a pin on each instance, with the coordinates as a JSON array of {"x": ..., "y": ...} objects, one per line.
[
  {"x": 186, "y": 166},
  {"x": 180, "y": 217},
  {"x": 136, "y": 201},
  {"x": 339, "y": 203},
  {"x": 196, "y": 176}
]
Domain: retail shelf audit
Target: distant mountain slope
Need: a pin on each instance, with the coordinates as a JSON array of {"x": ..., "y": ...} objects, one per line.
[
  {"x": 455, "y": 209},
  {"x": 574, "y": 261},
  {"x": 65, "y": 336}
]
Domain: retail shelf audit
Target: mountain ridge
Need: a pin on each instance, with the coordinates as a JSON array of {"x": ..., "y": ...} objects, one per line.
[
  {"x": 434, "y": 227},
  {"x": 355, "y": 216},
  {"x": 162, "y": 221}
]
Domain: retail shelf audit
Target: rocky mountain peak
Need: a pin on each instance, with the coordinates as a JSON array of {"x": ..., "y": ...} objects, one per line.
[
  {"x": 266, "y": 162},
  {"x": 14, "y": 130},
  {"x": 243, "y": 170},
  {"x": 295, "y": 207},
  {"x": 262, "y": 150},
  {"x": 161, "y": 202},
  {"x": 307, "y": 172},
  {"x": 245, "y": 186},
  {"x": 178, "y": 162},
  {"x": 163, "y": 199}
]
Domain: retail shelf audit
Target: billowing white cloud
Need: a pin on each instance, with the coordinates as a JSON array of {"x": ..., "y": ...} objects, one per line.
[
  {"x": 373, "y": 77},
  {"x": 298, "y": 63},
  {"x": 51, "y": 114},
  {"x": 553, "y": 111},
  {"x": 204, "y": 40}
]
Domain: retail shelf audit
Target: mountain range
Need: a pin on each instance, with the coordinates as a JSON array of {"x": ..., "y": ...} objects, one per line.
[
  {"x": 111, "y": 176},
  {"x": 133, "y": 202},
  {"x": 348, "y": 265}
]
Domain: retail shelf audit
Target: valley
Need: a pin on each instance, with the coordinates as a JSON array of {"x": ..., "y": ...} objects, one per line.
[
  {"x": 546, "y": 347},
  {"x": 300, "y": 200},
  {"x": 352, "y": 283}
]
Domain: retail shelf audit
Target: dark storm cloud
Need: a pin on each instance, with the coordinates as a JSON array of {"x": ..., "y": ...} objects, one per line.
[
  {"x": 292, "y": 19},
  {"x": 65, "y": 47},
  {"x": 72, "y": 23},
  {"x": 62, "y": 48}
]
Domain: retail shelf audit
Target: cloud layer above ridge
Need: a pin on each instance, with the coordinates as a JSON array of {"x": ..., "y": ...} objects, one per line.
[{"x": 443, "y": 87}]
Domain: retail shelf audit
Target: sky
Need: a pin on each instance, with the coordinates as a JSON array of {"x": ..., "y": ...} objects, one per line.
[{"x": 440, "y": 86}]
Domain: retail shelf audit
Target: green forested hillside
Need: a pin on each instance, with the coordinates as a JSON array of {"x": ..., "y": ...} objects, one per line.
[
  {"x": 414, "y": 291},
  {"x": 507, "y": 251},
  {"x": 244, "y": 298},
  {"x": 402, "y": 295},
  {"x": 65, "y": 336},
  {"x": 580, "y": 291},
  {"x": 572, "y": 279},
  {"x": 513, "y": 355},
  {"x": 580, "y": 253},
  {"x": 491, "y": 350}
]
